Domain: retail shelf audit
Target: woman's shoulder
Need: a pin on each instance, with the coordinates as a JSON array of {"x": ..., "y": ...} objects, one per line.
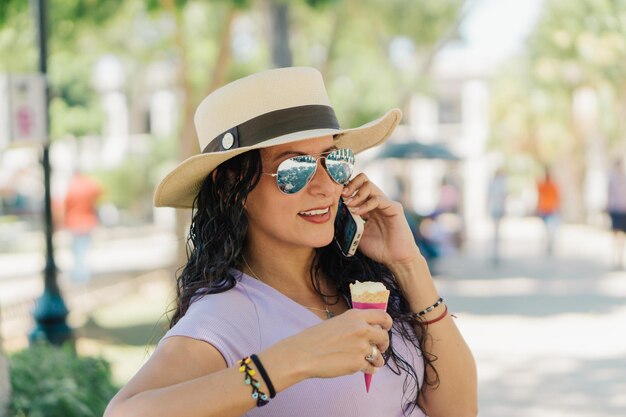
[
  {"x": 236, "y": 298},
  {"x": 227, "y": 320}
]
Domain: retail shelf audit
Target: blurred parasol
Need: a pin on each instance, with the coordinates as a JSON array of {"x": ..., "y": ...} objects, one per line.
[{"x": 416, "y": 150}]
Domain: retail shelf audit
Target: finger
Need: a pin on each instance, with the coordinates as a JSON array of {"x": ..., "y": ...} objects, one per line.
[
  {"x": 380, "y": 338},
  {"x": 356, "y": 183},
  {"x": 378, "y": 360},
  {"x": 379, "y": 317},
  {"x": 368, "y": 368},
  {"x": 378, "y": 202},
  {"x": 372, "y": 203},
  {"x": 362, "y": 194}
]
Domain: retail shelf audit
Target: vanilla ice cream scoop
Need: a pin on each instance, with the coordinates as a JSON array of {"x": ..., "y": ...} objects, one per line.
[{"x": 369, "y": 292}]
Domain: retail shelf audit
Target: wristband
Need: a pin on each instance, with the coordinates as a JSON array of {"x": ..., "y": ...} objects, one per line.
[
  {"x": 264, "y": 374},
  {"x": 429, "y": 309},
  {"x": 441, "y": 317},
  {"x": 257, "y": 394}
]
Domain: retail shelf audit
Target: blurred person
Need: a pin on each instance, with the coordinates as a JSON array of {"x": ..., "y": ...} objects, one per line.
[
  {"x": 616, "y": 207},
  {"x": 496, "y": 204},
  {"x": 449, "y": 196},
  {"x": 428, "y": 248},
  {"x": 80, "y": 218},
  {"x": 448, "y": 214},
  {"x": 548, "y": 206},
  {"x": 263, "y": 307}
]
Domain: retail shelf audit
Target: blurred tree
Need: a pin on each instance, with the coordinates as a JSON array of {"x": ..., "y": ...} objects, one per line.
[
  {"x": 279, "y": 21},
  {"x": 72, "y": 53},
  {"x": 374, "y": 54},
  {"x": 213, "y": 73},
  {"x": 567, "y": 93}
]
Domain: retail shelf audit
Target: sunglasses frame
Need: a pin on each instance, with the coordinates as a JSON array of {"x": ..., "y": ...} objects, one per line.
[{"x": 317, "y": 157}]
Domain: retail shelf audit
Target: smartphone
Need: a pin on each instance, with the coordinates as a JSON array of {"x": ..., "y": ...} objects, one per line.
[{"x": 348, "y": 229}]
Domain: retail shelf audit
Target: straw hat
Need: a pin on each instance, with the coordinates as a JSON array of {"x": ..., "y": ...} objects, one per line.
[{"x": 264, "y": 109}]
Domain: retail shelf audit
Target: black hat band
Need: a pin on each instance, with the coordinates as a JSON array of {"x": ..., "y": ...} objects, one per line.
[{"x": 274, "y": 124}]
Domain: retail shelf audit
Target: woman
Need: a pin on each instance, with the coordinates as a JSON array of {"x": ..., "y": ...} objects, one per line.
[{"x": 266, "y": 284}]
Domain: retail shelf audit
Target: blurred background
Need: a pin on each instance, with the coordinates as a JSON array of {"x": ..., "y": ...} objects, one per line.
[{"x": 507, "y": 163}]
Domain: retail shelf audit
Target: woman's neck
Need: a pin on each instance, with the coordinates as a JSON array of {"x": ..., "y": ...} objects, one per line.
[{"x": 288, "y": 273}]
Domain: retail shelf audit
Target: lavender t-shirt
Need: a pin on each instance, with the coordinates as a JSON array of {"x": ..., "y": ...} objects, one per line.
[{"x": 253, "y": 316}]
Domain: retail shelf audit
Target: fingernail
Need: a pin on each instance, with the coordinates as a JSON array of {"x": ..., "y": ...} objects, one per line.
[
  {"x": 348, "y": 201},
  {"x": 354, "y": 209}
]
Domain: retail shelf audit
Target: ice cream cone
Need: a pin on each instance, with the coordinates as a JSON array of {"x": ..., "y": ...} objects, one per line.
[{"x": 366, "y": 296}]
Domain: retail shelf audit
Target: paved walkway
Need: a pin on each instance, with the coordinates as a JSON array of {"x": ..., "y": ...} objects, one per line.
[
  {"x": 548, "y": 334},
  {"x": 114, "y": 252}
]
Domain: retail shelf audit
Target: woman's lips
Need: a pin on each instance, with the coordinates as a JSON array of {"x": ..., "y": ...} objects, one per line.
[{"x": 316, "y": 218}]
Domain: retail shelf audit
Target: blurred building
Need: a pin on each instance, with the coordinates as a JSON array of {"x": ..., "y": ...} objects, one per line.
[{"x": 456, "y": 116}]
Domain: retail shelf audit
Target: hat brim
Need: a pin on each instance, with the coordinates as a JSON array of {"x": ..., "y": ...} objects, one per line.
[{"x": 180, "y": 187}]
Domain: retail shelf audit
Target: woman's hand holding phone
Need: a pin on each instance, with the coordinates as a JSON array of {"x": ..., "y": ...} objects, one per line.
[
  {"x": 348, "y": 229},
  {"x": 387, "y": 237}
]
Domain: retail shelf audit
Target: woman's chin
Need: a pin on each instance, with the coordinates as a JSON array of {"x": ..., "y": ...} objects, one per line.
[{"x": 322, "y": 242}]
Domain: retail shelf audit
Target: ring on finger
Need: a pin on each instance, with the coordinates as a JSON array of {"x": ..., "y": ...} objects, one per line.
[{"x": 372, "y": 356}]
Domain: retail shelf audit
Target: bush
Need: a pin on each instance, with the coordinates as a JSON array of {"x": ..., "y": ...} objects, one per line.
[{"x": 48, "y": 381}]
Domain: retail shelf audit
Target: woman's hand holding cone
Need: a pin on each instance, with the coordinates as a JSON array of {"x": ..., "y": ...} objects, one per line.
[{"x": 335, "y": 347}]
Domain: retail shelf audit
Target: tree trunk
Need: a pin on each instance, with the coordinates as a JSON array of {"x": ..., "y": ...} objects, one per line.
[
  {"x": 571, "y": 170},
  {"x": 188, "y": 140},
  {"x": 279, "y": 18}
]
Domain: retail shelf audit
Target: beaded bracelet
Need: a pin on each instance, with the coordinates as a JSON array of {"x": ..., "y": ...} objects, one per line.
[
  {"x": 435, "y": 320},
  {"x": 429, "y": 309},
  {"x": 264, "y": 374},
  {"x": 257, "y": 394}
]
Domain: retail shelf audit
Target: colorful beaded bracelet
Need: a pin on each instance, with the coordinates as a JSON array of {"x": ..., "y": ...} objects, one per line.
[{"x": 249, "y": 379}]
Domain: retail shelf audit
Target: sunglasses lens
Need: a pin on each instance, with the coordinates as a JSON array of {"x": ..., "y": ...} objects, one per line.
[
  {"x": 294, "y": 173},
  {"x": 340, "y": 164}
]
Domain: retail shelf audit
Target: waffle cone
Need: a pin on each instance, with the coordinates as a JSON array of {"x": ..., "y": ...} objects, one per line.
[{"x": 372, "y": 297}]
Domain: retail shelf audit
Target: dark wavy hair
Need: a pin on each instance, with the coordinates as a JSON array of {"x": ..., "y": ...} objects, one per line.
[{"x": 215, "y": 245}]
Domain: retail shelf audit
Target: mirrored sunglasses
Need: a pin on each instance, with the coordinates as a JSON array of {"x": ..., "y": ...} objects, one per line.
[{"x": 295, "y": 173}]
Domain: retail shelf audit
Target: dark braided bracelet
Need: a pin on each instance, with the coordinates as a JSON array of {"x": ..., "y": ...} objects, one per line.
[
  {"x": 264, "y": 374},
  {"x": 257, "y": 394}
]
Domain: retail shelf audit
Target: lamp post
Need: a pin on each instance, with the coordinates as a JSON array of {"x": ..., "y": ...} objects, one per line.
[{"x": 50, "y": 311}]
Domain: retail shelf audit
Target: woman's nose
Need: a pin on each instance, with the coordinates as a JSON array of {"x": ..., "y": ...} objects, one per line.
[{"x": 321, "y": 181}]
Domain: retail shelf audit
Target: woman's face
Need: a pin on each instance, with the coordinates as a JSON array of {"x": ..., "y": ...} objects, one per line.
[{"x": 303, "y": 219}]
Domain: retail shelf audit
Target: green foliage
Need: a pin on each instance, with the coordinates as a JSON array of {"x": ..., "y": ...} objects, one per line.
[
  {"x": 17, "y": 50},
  {"x": 321, "y": 3},
  {"x": 576, "y": 45},
  {"x": 130, "y": 186},
  {"x": 423, "y": 21},
  {"x": 127, "y": 185},
  {"x": 11, "y": 8},
  {"x": 54, "y": 382}
]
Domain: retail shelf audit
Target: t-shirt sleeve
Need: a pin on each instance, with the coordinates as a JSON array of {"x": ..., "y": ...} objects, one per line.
[{"x": 228, "y": 321}]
